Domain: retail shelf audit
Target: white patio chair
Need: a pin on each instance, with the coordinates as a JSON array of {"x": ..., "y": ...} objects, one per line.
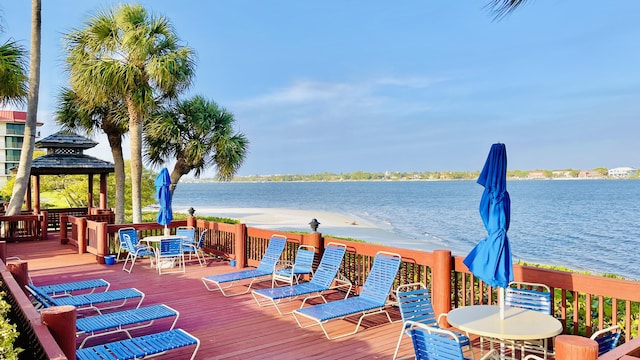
[{"x": 169, "y": 255}]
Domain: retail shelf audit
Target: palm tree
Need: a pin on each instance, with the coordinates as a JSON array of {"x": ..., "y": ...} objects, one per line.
[
  {"x": 26, "y": 153},
  {"x": 13, "y": 73},
  {"x": 128, "y": 53},
  {"x": 197, "y": 134},
  {"x": 73, "y": 114}
]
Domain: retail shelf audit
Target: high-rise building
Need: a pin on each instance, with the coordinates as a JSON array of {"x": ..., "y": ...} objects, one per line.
[{"x": 11, "y": 138}]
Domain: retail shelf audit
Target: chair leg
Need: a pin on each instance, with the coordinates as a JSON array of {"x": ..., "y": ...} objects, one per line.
[
  {"x": 395, "y": 353},
  {"x": 133, "y": 262},
  {"x": 201, "y": 259}
]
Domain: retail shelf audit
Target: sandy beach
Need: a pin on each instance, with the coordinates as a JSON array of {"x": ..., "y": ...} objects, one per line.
[{"x": 298, "y": 220}]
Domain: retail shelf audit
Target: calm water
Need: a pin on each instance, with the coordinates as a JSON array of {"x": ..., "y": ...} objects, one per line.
[{"x": 585, "y": 225}]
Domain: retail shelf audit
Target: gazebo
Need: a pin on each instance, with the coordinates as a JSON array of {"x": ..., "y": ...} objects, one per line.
[{"x": 65, "y": 157}]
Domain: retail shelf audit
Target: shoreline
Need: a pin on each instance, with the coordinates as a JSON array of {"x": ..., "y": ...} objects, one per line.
[
  {"x": 339, "y": 225},
  {"x": 331, "y": 223}
]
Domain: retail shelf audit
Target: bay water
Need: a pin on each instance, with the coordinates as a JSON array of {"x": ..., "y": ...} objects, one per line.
[{"x": 589, "y": 225}]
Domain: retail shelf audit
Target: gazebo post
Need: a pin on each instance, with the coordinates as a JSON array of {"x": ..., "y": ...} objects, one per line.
[
  {"x": 28, "y": 195},
  {"x": 90, "y": 193},
  {"x": 36, "y": 193},
  {"x": 103, "y": 191}
]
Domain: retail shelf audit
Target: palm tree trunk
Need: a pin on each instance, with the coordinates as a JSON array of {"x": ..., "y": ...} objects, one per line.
[
  {"x": 179, "y": 170},
  {"x": 26, "y": 155},
  {"x": 115, "y": 143},
  {"x": 135, "y": 136}
]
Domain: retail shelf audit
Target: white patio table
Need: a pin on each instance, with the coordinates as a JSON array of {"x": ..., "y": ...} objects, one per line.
[{"x": 518, "y": 324}]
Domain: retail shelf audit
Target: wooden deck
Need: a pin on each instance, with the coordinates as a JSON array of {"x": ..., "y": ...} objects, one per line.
[{"x": 228, "y": 328}]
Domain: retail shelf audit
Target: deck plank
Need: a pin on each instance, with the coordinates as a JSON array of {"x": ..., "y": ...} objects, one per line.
[{"x": 228, "y": 328}]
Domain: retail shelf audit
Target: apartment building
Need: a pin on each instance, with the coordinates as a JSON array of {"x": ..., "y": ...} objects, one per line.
[
  {"x": 622, "y": 172},
  {"x": 11, "y": 138}
]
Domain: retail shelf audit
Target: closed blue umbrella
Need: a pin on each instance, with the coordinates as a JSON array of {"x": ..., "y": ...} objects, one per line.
[
  {"x": 163, "y": 195},
  {"x": 490, "y": 259}
]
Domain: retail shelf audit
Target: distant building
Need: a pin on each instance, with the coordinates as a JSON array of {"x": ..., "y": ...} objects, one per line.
[
  {"x": 589, "y": 174},
  {"x": 11, "y": 137},
  {"x": 621, "y": 172},
  {"x": 536, "y": 175}
]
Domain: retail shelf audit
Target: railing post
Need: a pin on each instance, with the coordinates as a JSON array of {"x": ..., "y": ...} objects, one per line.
[
  {"x": 82, "y": 235},
  {"x": 313, "y": 239},
  {"x": 441, "y": 282},
  {"x": 3, "y": 251},
  {"x": 191, "y": 221},
  {"x": 241, "y": 246},
  {"x": 61, "y": 321},
  {"x": 44, "y": 235},
  {"x": 103, "y": 241},
  {"x": 20, "y": 271},
  {"x": 63, "y": 228},
  {"x": 572, "y": 347}
]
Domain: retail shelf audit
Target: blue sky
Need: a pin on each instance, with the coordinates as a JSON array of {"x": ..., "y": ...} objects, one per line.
[{"x": 342, "y": 86}]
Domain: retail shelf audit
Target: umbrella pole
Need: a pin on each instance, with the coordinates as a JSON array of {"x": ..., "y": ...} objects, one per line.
[
  {"x": 501, "y": 302},
  {"x": 167, "y": 233}
]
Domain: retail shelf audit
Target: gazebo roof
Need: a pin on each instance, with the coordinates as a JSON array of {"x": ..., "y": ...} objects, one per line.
[
  {"x": 69, "y": 164},
  {"x": 65, "y": 140},
  {"x": 65, "y": 156}
]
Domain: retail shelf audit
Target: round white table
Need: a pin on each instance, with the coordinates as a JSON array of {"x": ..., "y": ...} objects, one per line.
[
  {"x": 157, "y": 238},
  {"x": 518, "y": 324}
]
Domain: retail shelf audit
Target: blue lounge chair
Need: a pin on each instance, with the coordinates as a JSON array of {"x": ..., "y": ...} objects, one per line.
[
  {"x": 265, "y": 269},
  {"x": 414, "y": 302},
  {"x": 90, "y": 301},
  {"x": 324, "y": 276},
  {"x": 288, "y": 272},
  {"x": 431, "y": 343},
  {"x": 122, "y": 321},
  {"x": 139, "y": 347},
  {"x": 372, "y": 299},
  {"x": 67, "y": 288}
]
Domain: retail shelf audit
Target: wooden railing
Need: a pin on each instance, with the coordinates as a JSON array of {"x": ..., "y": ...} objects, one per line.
[
  {"x": 53, "y": 215},
  {"x": 583, "y": 303},
  {"x": 21, "y": 228},
  {"x": 35, "y": 338}
]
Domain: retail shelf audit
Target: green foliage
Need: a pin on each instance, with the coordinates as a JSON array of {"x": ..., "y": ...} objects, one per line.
[
  {"x": 8, "y": 332},
  {"x": 413, "y": 176}
]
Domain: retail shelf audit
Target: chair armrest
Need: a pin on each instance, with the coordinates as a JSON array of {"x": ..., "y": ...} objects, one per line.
[
  {"x": 443, "y": 315},
  {"x": 493, "y": 354},
  {"x": 342, "y": 282},
  {"x": 283, "y": 264}
]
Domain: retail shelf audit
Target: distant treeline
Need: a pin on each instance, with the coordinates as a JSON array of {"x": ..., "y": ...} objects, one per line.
[{"x": 424, "y": 175}]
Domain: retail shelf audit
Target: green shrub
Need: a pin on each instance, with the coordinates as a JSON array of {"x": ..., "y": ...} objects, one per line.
[{"x": 8, "y": 332}]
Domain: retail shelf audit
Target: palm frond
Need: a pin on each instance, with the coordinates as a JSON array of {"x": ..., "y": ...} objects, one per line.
[{"x": 501, "y": 8}]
